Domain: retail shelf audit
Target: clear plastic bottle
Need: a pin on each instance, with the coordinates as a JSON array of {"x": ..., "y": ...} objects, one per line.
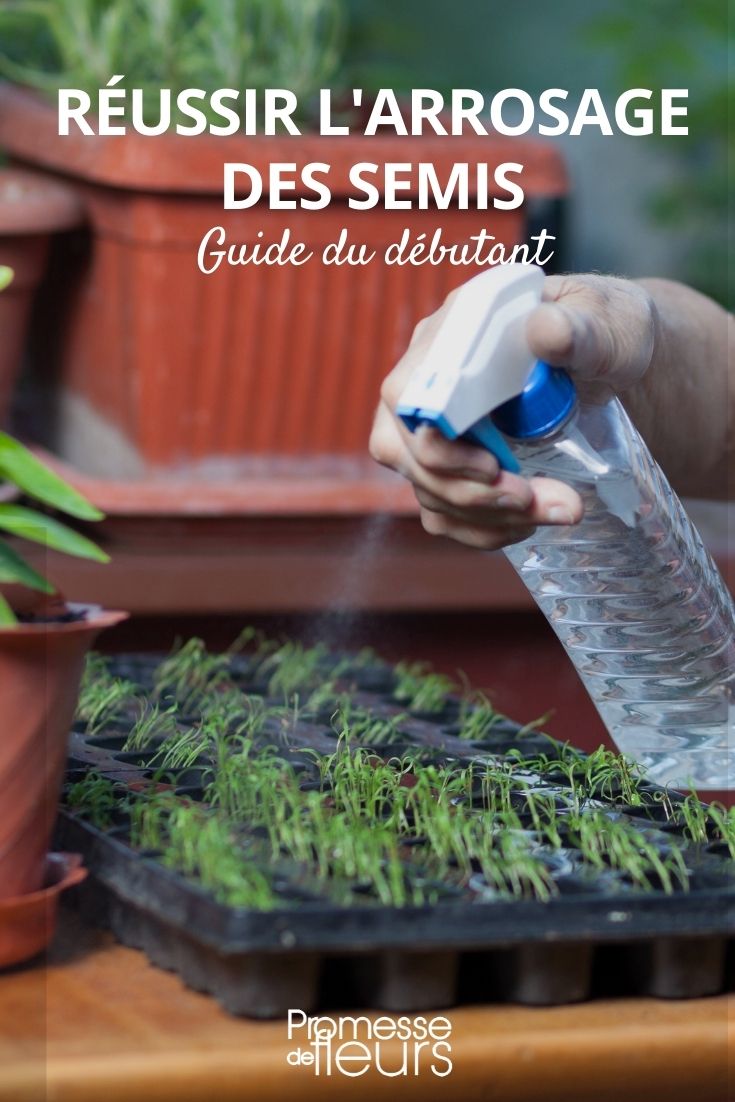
[{"x": 634, "y": 596}]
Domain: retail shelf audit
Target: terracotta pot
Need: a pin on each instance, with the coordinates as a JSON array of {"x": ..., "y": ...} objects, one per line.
[
  {"x": 32, "y": 207},
  {"x": 40, "y": 668},
  {"x": 201, "y": 372}
]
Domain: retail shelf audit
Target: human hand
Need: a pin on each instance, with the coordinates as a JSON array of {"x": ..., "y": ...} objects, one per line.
[{"x": 601, "y": 329}]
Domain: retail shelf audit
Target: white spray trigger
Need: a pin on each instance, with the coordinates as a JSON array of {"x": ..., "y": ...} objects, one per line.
[{"x": 479, "y": 357}]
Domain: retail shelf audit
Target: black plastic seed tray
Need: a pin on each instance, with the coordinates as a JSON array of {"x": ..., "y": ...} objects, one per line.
[{"x": 596, "y": 937}]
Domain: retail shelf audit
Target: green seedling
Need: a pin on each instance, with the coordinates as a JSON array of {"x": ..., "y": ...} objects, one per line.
[
  {"x": 601, "y": 774},
  {"x": 618, "y": 845},
  {"x": 320, "y": 699},
  {"x": 519, "y": 873},
  {"x": 293, "y": 669},
  {"x": 203, "y": 847},
  {"x": 104, "y": 699},
  {"x": 477, "y": 717},
  {"x": 366, "y": 658},
  {"x": 696, "y": 818},
  {"x": 421, "y": 690},
  {"x": 95, "y": 798},
  {"x": 182, "y": 750},
  {"x": 149, "y": 815},
  {"x": 361, "y": 726},
  {"x": 545, "y": 818},
  {"x": 248, "y": 785},
  {"x": 497, "y": 786},
  {"x": 153, "y": 723},
  {"x": 191, "y": 675},
  {"x": 723, "y": 820},
  {"x": 663, "y": 799},
  {"x": 533, "y": 727},
  {"x": 243, "y": 640}
]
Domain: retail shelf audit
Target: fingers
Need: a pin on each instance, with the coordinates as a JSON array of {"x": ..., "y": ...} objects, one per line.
[
  {"x": 451, "y": 457},
  {"x": 554, "y": 503},
  {"x": 438, "y": 524},
  {"x": 469, "y": 480},
  {"x": 598, "y": 327},
  {"x": 551, "y": 503},
  {"x": 426, "y": 450}
]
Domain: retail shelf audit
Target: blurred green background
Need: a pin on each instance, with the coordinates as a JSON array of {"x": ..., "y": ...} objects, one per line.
[{"x": 640, "y": 206}]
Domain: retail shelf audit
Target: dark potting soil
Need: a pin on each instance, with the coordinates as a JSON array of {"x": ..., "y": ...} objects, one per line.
[
  {"x": 598, "y": 935},
  {"x": 69, "y": 616}
]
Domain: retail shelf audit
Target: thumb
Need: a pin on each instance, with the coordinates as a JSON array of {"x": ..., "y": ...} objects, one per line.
[{"x": 598, "y": 327}]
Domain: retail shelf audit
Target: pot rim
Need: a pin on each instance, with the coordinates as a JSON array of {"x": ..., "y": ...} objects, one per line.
[
  {"x": 34, "y": 204},
  {"x": 95, "y": 619}
]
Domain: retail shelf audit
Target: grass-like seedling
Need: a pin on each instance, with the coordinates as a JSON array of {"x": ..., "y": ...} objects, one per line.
[
  {"x": 612, "y": 776},
  {"x": 600, "y": 775},
  {"x": 203, "y": 847},
  {"x": 477, "y": 717},
  {"x": 104, "y": 699},
  {"x": 419, "y": 689},
  {"x": 723, "y": 821},
  {"x": 696, "y": 818},
  {"x": 190, "y": 674},
  {"x": 618, "y": 845},
  {"x": 95, "y": 798},
  {"x": 293, "y": 669},
  {"x": 183, "y": 749},
  {"x": 326, "y": 697},
  {"x": 360, "y": 725},
  {"x": 152, "y": 724}
]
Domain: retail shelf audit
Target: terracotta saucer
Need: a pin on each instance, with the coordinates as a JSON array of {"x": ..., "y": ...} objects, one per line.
[{"x": 27, "y": 923}]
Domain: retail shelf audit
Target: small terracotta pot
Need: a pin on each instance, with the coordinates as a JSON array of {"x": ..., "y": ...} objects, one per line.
[
  {"x": 40, "y": 669},
  {"x": 32, "y": 206}
]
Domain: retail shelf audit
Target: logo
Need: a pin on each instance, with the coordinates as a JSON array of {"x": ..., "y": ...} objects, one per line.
[{"x": 407, "y": 1046}]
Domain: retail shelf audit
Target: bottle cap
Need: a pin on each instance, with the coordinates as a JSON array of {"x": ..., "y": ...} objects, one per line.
[{"x": 544, "y": 404}]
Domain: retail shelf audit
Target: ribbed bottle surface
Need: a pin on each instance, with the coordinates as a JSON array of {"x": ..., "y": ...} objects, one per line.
[{"x": 636, "y": 600}]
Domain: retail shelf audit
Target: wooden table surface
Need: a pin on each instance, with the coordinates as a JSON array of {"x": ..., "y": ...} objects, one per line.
[{"x": 99, "y": 1024}]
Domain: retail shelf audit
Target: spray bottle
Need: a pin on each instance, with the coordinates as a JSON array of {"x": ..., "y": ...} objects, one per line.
[{"x": 631, "y": 591}]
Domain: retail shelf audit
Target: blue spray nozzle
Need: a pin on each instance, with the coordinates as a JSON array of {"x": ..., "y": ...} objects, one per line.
[
  {"x": 483, "y": 433},
  {"x": 544, "y": 404}
]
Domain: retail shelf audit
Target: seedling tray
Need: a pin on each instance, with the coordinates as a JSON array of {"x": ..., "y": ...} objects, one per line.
[{"x": 598, "y": 933}]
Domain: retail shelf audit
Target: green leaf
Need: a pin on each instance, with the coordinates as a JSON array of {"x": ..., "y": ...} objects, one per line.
[
  {"x": 30, "y": 525},
  {"x": 20, "y": 466},
  {"x": 7, "y": 616},
  {"x": 6, "y": 276},
  {"x": 16, "y": 571}
]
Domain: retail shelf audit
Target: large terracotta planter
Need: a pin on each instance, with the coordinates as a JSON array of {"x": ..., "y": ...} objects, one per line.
[
  {"x": 183, "y": 370},
  {"x": 40, "y": 669},
  {"x": 32, "y": 207}
]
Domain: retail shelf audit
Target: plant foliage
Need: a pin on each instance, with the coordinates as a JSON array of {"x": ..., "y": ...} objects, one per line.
[
  {"x": 20, "y": 468},
  {"x": 175, "y": 44}
]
